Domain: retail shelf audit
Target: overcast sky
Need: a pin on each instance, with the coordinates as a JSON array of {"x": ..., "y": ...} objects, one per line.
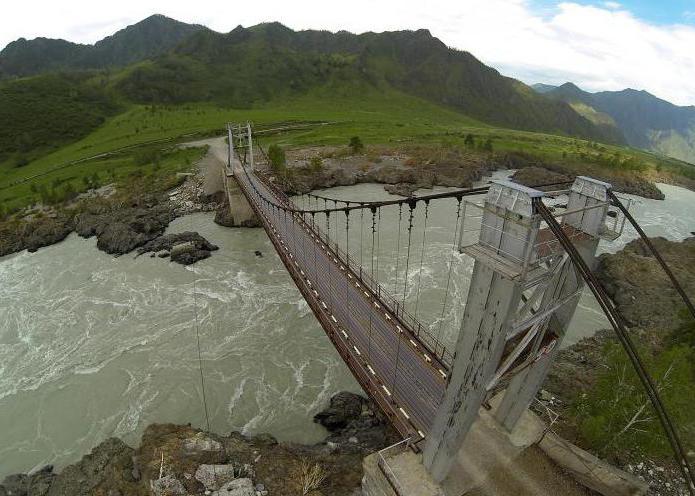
[{"x": 600, "y": 45}]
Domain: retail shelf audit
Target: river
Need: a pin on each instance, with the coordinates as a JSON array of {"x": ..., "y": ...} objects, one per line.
[{"x": 93, "y": 346}]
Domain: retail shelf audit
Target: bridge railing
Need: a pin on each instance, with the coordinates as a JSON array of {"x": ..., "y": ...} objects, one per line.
[
  {"x": 433, "y": 346},
  {"x": 397, "y": 308}
]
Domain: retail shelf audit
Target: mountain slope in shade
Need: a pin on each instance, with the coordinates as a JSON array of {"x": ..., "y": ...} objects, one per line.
[
  {"x": 148, "y": 38},
  {"x": 27, "y": 57},
  {"x": 270, "y": 61},
  {"x": 646, "y": 121}
]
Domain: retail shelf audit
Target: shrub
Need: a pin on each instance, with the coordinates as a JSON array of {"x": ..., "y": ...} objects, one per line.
[
  {"x": 316, "y": 163},
  {"x": 356, "y": 144},
  {"x": 277, "y": 158},
  {"x": 469, "y": 141},
  {"x": 21, "y": 162},
  {"x": 616, "y": 417},
  {"x": 145, "y": 157}
]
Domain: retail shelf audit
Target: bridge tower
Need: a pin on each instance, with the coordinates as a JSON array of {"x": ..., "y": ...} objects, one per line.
[{"x": 522, "y": 295}]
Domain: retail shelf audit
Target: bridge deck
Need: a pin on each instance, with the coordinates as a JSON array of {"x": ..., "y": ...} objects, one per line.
[{"x": 387, "y": 358}]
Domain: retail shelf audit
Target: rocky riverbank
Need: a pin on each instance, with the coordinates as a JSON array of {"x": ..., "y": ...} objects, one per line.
[
  {"x": 644, "y": 296},
  {"x": 182, "y": 460},
  {"x": 653, "y": 310},
  {"x": 121, "y": 223},
  {"x": 403, "y": 171},
  {"x": 533, "y": 175}
]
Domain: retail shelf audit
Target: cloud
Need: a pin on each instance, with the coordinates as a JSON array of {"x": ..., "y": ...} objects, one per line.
[{"x": 599, "y": 47}]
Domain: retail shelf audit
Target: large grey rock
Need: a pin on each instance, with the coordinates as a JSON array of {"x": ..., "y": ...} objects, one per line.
[
  {"x": 201, "y": 442},
  {"x": 344, "y": 408},
  {"x": 214, "y": 476},
  {"x": 237, "y": 487},
  {"x": 122, "y": 230},
  {"x": 184, "y": 248},
  {"x": 168, "y": 486}
]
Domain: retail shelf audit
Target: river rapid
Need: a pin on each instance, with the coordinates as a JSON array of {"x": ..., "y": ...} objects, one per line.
[{"x": 93, "y": 346}]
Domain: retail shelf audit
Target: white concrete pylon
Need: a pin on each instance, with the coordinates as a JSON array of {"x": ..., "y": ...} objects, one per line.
[
  {"x": 508, "y": 232},
  {"x": 587, "y": 208}
]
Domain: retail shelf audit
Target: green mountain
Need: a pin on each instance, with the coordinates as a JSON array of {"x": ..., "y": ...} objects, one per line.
[
  {"x": 268, "y": 61},
  {"x": 646, "y": 121},
  {"x": 148, "y": 38},
  {"x": 168, "y": 62}
]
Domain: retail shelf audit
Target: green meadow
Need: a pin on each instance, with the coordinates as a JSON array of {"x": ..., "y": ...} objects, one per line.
[{"x": 115, "y": 149}]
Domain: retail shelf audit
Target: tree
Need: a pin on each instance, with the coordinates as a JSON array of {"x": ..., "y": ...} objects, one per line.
[
  {"x": 469, "y": 141},
  {"x": 277, "y": 158},
  {"x": 356, "y": 144},
  {"x": 488, "y": 145}
]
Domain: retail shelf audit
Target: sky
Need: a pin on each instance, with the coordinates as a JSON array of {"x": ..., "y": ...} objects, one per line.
[{"x": 599, "y": 45}]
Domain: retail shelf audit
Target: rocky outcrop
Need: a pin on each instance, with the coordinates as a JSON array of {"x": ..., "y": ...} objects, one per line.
[
  {"x": 355, "y": 424},
  {"x": 121, "y": 230},
  {"x": 35, "y": 233},
  {"x": 35, "y": 484},
  {"x": 401, "y": 189},
  {"x": 111, "y": 460},
  {"x": 535, "y": 176},
  {"x": 644, "y": 296},
  {"x": 643, "y": 292},
  {"x": 184, "y": 248},
  {"x": 182, "y": 460}
]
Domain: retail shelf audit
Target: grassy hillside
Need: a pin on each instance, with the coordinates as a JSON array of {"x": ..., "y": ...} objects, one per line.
[
  {"x": 41, "y": 113},
  {"x": 378, "y": 117},
  {"x": 395, "y": 87}
]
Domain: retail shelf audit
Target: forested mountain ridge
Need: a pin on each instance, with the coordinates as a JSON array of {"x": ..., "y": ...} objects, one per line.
[{"x": 147, "y": 38}]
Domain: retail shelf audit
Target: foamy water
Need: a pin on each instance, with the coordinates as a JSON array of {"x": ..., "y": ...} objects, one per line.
[{"x": 93, "y": 346}]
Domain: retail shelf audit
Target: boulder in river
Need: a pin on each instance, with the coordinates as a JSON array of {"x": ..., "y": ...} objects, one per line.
[
  {"x": 401, "y": 189},
  {"x": 183, "y": 248},
  {"x": 344, "y": 408}
]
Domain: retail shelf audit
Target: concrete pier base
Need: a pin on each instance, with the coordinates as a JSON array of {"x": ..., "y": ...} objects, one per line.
[
  {"x": 528, "y": 461},
  {"x": 240, "y": 212}
]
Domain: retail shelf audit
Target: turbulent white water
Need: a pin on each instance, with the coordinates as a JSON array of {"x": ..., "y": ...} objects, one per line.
[{"x": 93, "y": 346}]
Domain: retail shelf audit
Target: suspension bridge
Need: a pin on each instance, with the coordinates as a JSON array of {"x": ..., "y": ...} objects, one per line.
[{"x": 533, "y": 254}]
